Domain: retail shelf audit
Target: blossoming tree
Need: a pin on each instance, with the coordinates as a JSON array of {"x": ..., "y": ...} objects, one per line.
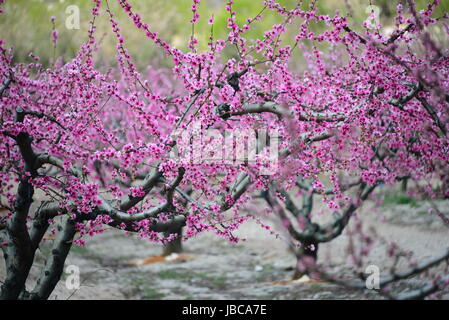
[{"x": 153, "y": 151}]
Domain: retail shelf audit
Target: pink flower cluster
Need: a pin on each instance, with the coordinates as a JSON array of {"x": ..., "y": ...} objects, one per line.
[{"x": 364, "y": 104}]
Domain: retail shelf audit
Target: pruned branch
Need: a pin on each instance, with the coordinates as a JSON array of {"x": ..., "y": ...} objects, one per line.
[
  {"x": 19, "y": 254},
  {"x": 304, "y": 236},
  {"x": 147, "y": 185},
  {"x": 399, "y": 34},
  {"x": 433, "y": 114},
  {"x": 45, "y": 158},
  {"x": 425, "y": 291},
  {"x": 54, "y": 266},
  {"x": 400, "y": 102},
  {"x": 349, "y": 30},
  {"x": 6, "y": 84},
  {"x": 334, "y": 229},
  {"x": 272, "y": 107},
  {"x": 414, "y": 93},
  {"x": 421, "y": 293},
  {"x": 119, "y": 216},
  {"x": 42, "y": 115},
  {"x": 328, "y": 191},
  {"x": 46, "y": 211},
  {"x": 424, "y": 266},
  {"x": 237, "y": 191}
]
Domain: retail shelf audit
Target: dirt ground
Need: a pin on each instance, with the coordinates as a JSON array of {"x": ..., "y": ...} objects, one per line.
[{"x": 212, "y": 268}]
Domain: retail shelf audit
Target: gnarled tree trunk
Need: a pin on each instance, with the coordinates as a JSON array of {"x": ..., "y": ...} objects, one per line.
[
  {"x": 174, "y": 246},
  {"x": 306, "y": 260}
]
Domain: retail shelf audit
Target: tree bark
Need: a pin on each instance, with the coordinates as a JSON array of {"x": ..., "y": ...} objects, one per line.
[
  {"x": 174, "y": 246},
  {"x": 54, "y": 267},
  {"x": 18, "y": 253},
  {"x": 404, "y": 185},
  {"x": 306, "y": 260}
]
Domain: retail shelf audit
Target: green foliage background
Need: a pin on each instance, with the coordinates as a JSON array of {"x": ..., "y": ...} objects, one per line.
[{"x": 25, "y": 24}]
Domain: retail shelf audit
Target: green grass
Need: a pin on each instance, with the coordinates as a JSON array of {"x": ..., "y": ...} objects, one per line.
[
  {"x": 152, "y": 294},
  {"x": 266, "y": 274},
  {"x": 219, "y": 282},
  {"x": 172, "y": 25},
  {"x": 399, "y": 198},
  {"x": 139, "y": 281},
  {"x": 206, "y": 279},
  {"x": 144, "y": 286},
  {"x": 83, "y": 251},
  {"x": 175, "y": 274}
]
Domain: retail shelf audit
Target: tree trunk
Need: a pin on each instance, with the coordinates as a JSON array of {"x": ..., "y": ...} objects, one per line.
[
  {"x": 404, "y": 185},
  {"x": 54, "y": 266},
  {"x": 18, "y": 253},
  {"x": 174, "y": 246},
  {"x": 306, "y": 257}
]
